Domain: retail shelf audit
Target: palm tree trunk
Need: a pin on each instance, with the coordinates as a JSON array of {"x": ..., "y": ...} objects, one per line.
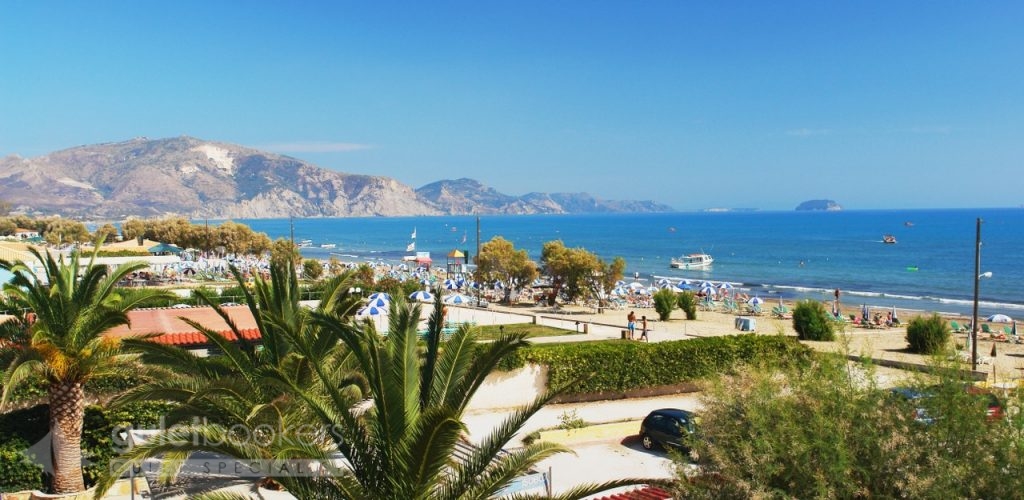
[{"x": 67, "y": 409}]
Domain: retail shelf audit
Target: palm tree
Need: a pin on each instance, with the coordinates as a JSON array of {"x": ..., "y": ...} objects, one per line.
[
  {"x": 64, "y": 318},
  {"x": 237, "y": 387},
  {"x": 402, "y": 446}
]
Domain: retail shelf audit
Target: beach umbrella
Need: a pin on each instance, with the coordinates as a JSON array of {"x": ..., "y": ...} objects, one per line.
[
  {"x": 380, "y": 295},
  {"x": 378, "y": 302},
  {"x": 725, "y": 286},
  {"x": 372, "y": 311},
  {"x": 894, "y": 318},
  {"x": 683, "y": 282},
  {"x": 708, "y": 291},
  {"x": 619, "y": 291},
  {"x": 456, "y": 299},
  {"x": 422, "y": 296},
  {"x": 450, "y": 284},
  {"x": 663, "y": 282},
  {"x": 617, "y": 283},
  {"x": 636, "y": 285},
  {"x": 755, "y": 301},
  {"x": 705, "y": 284},
  {"x": 683, "y": 287},
  {"x": 864, "y": 314},
  {"x": 999, "y": 318},
  {"x": 499, "y": 285}
]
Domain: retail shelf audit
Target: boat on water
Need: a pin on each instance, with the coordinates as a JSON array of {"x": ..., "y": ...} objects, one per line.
[
  {"x": 328, "y": 245},
  {"x": 305, "y": 243},
  {"x": 888, "y": 239},
  {"x": 692, "y": 261}
]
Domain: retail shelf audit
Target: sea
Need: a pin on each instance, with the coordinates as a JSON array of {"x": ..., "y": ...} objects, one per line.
[{"x": 785, "y": 254}]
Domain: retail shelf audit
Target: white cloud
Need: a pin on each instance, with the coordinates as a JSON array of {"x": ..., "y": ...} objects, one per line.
[
  {"x": 315, "y": 147},
  {"x": 808, "y": 132}
]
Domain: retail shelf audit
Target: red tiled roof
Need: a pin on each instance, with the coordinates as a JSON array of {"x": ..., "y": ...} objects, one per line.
[
  {"x": 176, "y": 332},
  {"x": 645, "y": 493},
  {"x": 196, "y": 338}
]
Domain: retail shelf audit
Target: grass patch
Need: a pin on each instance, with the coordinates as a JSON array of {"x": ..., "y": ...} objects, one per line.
[{"x": 492, "y": 332}]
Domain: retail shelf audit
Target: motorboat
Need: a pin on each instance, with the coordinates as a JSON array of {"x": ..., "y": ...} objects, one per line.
[
  {"x": 692, "y": 261},
  {"x": 328, "y": 245},
  {"x": 888, "y": 239},
  {"x": 305, "y": 243}
]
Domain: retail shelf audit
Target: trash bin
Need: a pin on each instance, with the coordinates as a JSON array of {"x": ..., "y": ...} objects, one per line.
[
  {"x": 625, "y": 334},
  {"x": 586, "y": 327}
]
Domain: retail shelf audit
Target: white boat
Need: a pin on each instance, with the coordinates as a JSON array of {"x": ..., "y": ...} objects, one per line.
[
  {"x": 692, "y": 261},
  {"x": 305, "y": 243},
  {"x": 328, "y": 245}
]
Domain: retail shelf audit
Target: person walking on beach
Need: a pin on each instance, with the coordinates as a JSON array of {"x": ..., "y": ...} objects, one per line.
[
  {"x": 631, "y": 323},
  {"x": 643, "y": 329}
]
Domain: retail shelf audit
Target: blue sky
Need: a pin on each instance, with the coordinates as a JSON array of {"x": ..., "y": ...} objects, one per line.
[{"x": 875, "y": 104}]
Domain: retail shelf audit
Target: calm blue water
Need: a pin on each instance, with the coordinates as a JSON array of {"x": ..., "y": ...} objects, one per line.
[{"x": 761, "y": 250}]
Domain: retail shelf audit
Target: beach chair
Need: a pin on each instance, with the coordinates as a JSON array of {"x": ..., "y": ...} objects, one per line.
[
  {"x": 1007, "y": 330},
  {"x": 987, "y": 329},
  {"x": 953, "y": 325}
]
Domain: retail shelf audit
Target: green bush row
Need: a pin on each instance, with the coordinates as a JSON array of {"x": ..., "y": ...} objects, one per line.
[{"x": 593, "y": 367}]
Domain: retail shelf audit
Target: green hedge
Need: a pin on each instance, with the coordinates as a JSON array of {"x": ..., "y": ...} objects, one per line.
[
  {"x": 20, "y": 429},
  {"x": 623, "y": 365}
]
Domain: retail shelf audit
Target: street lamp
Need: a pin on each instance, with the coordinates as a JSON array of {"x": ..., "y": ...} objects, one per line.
[{"x": 978, "y": 275}]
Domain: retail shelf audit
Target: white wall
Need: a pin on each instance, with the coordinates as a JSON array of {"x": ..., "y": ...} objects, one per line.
[{"x": 510, "y": 389}]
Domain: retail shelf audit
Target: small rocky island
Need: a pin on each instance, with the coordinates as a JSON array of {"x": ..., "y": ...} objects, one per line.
[{"x": 826, "y": 205}]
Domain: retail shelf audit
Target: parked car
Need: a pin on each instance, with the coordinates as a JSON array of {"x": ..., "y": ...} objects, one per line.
[{"x": 667, "y": 427}]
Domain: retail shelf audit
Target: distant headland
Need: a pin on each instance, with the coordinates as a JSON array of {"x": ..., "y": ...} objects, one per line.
[{"x": 819, "y": 205}]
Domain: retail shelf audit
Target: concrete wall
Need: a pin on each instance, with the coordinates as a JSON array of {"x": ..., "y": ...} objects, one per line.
[{"x": 510, "y": 389}]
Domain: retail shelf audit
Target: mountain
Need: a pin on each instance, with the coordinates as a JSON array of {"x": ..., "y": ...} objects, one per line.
[
  {"x": 471, "y": 197},
  {"x": 826, "y": 205},
  {"x": 198, "y": 178}
]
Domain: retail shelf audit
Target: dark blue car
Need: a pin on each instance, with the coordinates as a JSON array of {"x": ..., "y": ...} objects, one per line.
[{"x": 667, "y": 427}]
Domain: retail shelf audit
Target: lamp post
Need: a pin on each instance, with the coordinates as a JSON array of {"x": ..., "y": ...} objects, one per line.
[
  {"x": 131, "y": 469},
  {"x": 978, "y": 275}
]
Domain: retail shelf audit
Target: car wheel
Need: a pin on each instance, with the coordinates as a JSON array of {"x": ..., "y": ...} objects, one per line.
[{"x": 647, "y": 442}]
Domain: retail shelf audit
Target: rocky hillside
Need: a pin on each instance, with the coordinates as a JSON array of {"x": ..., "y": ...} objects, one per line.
[
  {"x": 469, "y": 196},
  {"x": 197, "y": 178}
]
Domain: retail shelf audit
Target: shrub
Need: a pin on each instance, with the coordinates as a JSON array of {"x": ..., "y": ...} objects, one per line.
[
  {"x": 664, "y": 303},
  {"x": 812, "y": 322},
  {"x": 595, "y": 367},
  {"x": 760, "y": 431},
  {"x": 312, "y": 269},
  {"x": 688, "y": 303},
  {"x": 927, "y": 335}
]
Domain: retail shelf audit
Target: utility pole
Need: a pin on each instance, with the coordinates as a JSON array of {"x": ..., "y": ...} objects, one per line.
[{"x": 476, "y": 268}]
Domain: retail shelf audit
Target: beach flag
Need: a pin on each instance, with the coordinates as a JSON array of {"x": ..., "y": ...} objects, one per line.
[
  {"x": 414, "y": 233},
  {"x": 411, "y": 247}
]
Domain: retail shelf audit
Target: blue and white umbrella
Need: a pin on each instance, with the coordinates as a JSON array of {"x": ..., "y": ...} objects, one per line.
[
  {"x": 726, "y": 286},
  {"x": 619, "y": 291},
  {"x": 372, "y": 311},
  {"x": 999, "y": 318},
  {"x": 499, "y": 285},
  {"x": 708, "y": 291},
  {"x": 681, "y": 288},
  {"x": 663, "y": 282},
  {"x": 705, "y": 284},
  {"x": 422, "y": 296},
  {"x": 456, "y": 299},
  {"x": 379, "y": 295},
  {"x": 378, "y": 302},
  {"x": 450, "y": 284},
  {"x": 755, "y": 301},
  {"x": 683, "y": 282}
]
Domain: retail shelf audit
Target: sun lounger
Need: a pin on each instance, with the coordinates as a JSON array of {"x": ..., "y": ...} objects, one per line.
[{"x": 953, "y": 325}]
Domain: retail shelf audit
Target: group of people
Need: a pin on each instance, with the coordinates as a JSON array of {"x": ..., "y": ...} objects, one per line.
[{"x": 631, "y": 326}]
